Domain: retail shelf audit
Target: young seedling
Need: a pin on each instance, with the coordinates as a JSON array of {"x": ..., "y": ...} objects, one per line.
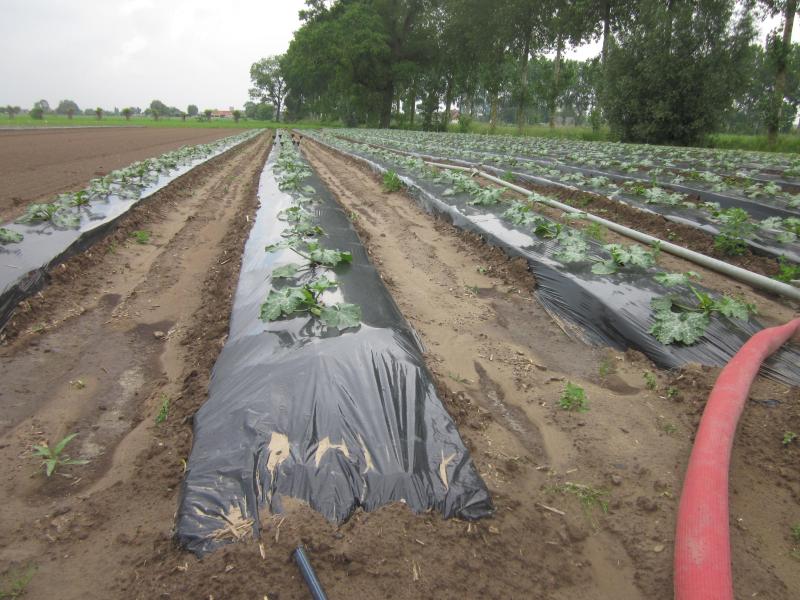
[
  {"x": 54, "y": 457},
  {"x": 50, "y": 213},
  {"x": 163, "y": 412},
  {"x": 650, "y": 380},
  {"x": 678, "y": 321},
  {"x": 605, "y": 369},
  {"x": 141, "y": 237},
  {"x": 624, "y": 256},
  {"x": 288, "y": 301},
  {"x": 487, "y": 196},
  {"x": 573, "y": 398},
  {"x": 788, "y": 437},
  {"x": 596, "y": 232},
  {"x": 736, "y": 228},
  {"x": 391, "y": 182},
  {"x": 588, "y": 496},
  {"x": 669, "y": 428},
  {"x": 787, "y": 272},
  {"x": 14, "y": 582}
]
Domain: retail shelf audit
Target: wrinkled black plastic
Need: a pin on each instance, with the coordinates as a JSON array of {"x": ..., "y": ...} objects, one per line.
[
  {"x": 24, "y": 266},
  {"x": 600, "y": 310},
  {"x": 339, "y": 420}
]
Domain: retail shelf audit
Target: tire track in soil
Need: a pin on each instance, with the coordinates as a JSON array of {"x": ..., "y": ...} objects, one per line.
[{"x": 134, "y": 324}]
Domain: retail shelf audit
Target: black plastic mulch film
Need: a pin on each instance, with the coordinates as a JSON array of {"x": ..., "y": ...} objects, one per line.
[
  {"x": 340, "y": 420},
  {"x": 678, "y": 214},
  {"x": 599, "y": 310},
  {"x": 24, "y": 266}
]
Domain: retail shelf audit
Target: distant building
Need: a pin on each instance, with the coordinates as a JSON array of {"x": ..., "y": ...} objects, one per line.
[{"x": 222, "y": 114}]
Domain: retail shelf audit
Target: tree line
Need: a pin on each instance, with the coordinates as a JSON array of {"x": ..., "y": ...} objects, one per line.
[
  {"x": 156, "y": 110},
  {"x": 669, "y": 71}
]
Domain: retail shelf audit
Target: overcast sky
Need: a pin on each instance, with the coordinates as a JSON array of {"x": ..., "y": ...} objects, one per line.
[
  {"x": 128, "y": 52},
  {"x": 117, "y": 53}
]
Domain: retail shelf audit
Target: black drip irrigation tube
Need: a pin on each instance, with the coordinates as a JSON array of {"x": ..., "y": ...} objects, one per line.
[
  {"x": 338, "y": 418},
  {"x": 308, "y": 573},
  {"x": 597, "y": 310},
  {"x": 25, "y": 265}
]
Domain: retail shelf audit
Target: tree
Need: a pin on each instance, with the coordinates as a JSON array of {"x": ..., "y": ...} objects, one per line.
[
  {"x": 207, "y": 112},
  {"x": 268, "y": 83},
  {"x": 126, "y": 112},
  {"x": 237, "y": 114},
  {"x": 192, "y": 110},
  {"x": 779, "y": 48},
  {"x": 158, "y": 108},
  {"x": 67, "y": 107},
  {"x": 352, "y": 58},
  {"x": 675, "y": 70},
  {"x": 37, "y": 112},
  {"x": 44, "y": 105},
  {"x": 12, "y": 110},
  {"x": 98, "y": 113}
]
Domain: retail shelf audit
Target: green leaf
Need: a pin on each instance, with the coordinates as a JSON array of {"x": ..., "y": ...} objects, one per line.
[
  {"x": 771, "y": 223},
  {"x": 51, "y": 465},
  {"x": 63, "y": 443},
  {"x": 320, "y": 285},
  {"x": 487, "y": 196},
  {"x": 42, "y": 450},
  {"x": 518, "y": 213},
  {"x": 683, "y": 327},
  {"x": 284, "y": 302},
  {"x": 661, "y": 303},
  {"x": 66, "y": 220},
  {"x": 276, "y": 247},
  {"x": 546, "y": 229},
  {"x": 572, "y": 247},
  {"x": 9, "y": 237},
  {"x": 571, "y": 254},
  {"x": 303, "y": 229},
  {"x": 330, "y": 258},
  {"x": 286, "y": 271},
  {"x": 733, "y": 308},
  {"x": 341, "y": 315},
  {"x": 293, "y": 214},
  {"x": 631, "y": 256},
  {"x": 307, "y": 189},
  {"x": 607, "y": 267}
]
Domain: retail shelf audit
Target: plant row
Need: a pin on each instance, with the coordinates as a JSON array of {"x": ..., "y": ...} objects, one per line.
[
  {"x": 298, "y": 287},
  {"x": 680, "y": 315},
  {"x": 67, "y": 210}
]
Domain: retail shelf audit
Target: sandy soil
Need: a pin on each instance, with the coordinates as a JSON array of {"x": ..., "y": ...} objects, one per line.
[
  {"x": 500, "y": 364},
  {"x": 37, "y": 164},
  {"x": 119, "y": 330}
]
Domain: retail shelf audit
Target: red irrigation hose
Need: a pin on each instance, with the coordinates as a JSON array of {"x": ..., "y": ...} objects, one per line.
[{"x": 702, "y": 541}]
